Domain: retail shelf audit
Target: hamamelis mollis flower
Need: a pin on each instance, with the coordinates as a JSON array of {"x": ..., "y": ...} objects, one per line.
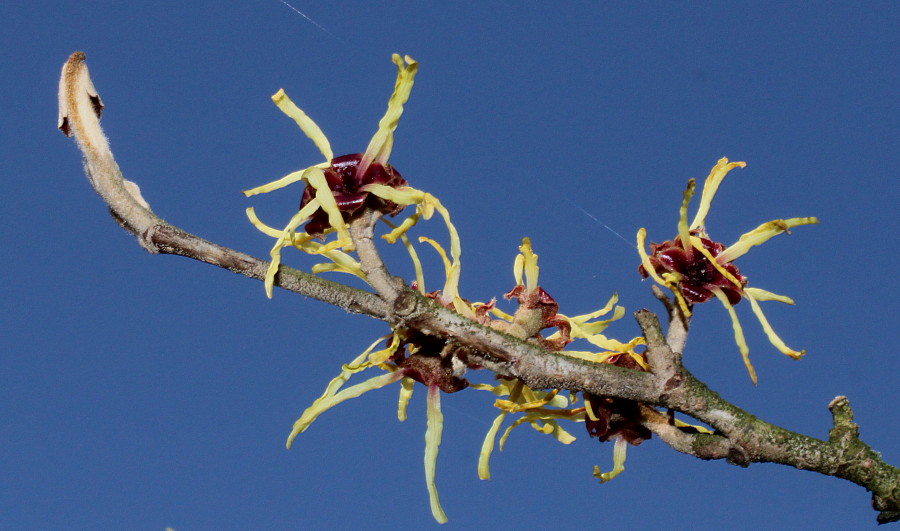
[
  {"x": 407, "y": 357},
  {"x": 341, "y": 188},
  {"x": 543, "y": 410},
  {"x": 697, "y": 268}
]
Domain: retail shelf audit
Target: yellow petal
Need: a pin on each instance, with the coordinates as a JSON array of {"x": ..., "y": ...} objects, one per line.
[
  {"x": 760, "y": 235},
  {"x": 325, "y": 403},
  {"x": 715, "y": 178},
  {"x": 399, "y": 232},
  {"x": 529, "y": 264},
  {"x": 435, "y": 426},
  {"x": 594, "y": 357},
  {"x": 683, "y": 231},
  {"x": 440, "y": 251},
  {"x": 619, "y": 451},
  {"x": 738, "y": 332},
  {"x": 770, "y": 333},
  {"x": 275, "y": 185},
  {"x": 589, "y": 411},
  {"x": 405, "y": 195},
  {"x": 401, "y": 229},
  {"x": 519, "y": 270},
  {"x": 584, "y": 329},
  {"x": 672, "y": 285},
  {"x": 406, "y": 391},
  {"x": 681, "y": 424},
  {"x": 615, "y": 345},
  {"x": 715, "y": 262},
  {"x": 487, "y": 447},
  {"x": 382, "y": 142},
  {"x": 287, "y": 236},
  {"x": 307, "y": 125},
  {"x": 763, "y": 295},
  {"x": 325, "y": 197},
  {"x": 610, "y": 304},
  {"x": 560, "y": 434}
]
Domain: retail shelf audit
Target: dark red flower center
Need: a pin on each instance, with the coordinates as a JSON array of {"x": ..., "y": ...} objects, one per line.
[
  {"x": 699, "y": 277},
  {"x": 345, "y": 183}
]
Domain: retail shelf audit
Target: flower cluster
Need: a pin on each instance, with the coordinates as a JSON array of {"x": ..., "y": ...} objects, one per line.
[
  {"x": 543, "y": 410},
  {"x": 341, "y": 189},
  {"x": 697, "y": 268}
]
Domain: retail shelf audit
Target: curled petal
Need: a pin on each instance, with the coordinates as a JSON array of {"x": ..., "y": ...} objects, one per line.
[
  {"x": 671, "y": 283},
  {"x": 307, "y": 125},
  {"x": 619, "y": 450},
  {"x": 770, "y": 333},
  {"x": 400, "y": 232},
  {"x": 710, "y": 186},
  {"x": 427, "y": 204},
  {"x": 401, "y": 229},
  {"x": 298, "y": 238},
  {"x": 760, "y": 235},
  {"x": 383, "y": 141}
]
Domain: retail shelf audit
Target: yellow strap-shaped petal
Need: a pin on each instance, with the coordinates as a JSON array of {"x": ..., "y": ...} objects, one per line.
[
  {"x": 681, "y": 424},
  {"x": 770, "y": 333},
  {"x": 316, "y": 178},
  {"x": 738, "y": 333},
  {"x": 307, "y": 125},
  {"x": 399, "y": 232},
  {"x": 648, "y": 267},
  {"x": 487, "y": 447},
  {"x": 287, "y": 236},
  {"x": 683, "y": 231},
  {"x": 619, "y": 451},
  {"x": 406, "y": 391},
  {"x": 584, "y": 318},
  {"x": 763, "y": 295},
  {"x": 379, "y": 149},
  {"x": 760, "y": 235},
  {"x": 714, "y": 261},
  {"x": 319, "y": 407},
  {"x": 401, "y": 229},
  {"x": 435, "y": 426},
  {"x": 275, "y": 185},
  {"x": 715, "y": 178},
  {"x": 595, "y": 357},
  {"x": 529, "y": 264}
]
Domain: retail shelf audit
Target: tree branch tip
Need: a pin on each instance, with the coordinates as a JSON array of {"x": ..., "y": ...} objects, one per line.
[{"x": 838, "y": 401}]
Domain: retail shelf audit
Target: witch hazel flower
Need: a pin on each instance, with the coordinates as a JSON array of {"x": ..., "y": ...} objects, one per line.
[
  {"x": 341, "y": 188},
  {"x": 697, "y": 269},
  {"x": 605, "y": 419},
  {"x": 406, "y": 361}
]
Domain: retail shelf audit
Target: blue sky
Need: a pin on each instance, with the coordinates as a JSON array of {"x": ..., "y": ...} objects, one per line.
[{"x": 139, "y": 392}]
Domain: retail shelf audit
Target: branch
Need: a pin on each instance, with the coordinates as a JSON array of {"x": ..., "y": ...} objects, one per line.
[
  {"x": 79, "y": 115},
  {"x": 740, "y": 437}
]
